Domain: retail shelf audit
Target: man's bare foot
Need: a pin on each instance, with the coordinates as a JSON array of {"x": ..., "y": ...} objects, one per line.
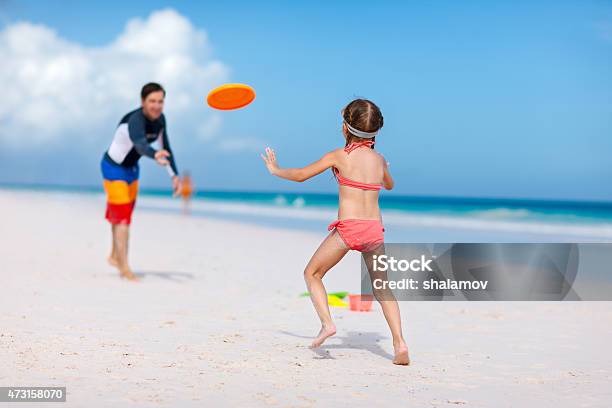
[
  {"x": 326, "y": 331},
  {"x": 112, "y": 261},
  {"x": 401, "y": 354},
  {"x": 128, "y": 274}
]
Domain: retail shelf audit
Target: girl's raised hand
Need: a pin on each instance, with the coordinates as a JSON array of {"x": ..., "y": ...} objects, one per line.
[{"x": 270, "y": 160}]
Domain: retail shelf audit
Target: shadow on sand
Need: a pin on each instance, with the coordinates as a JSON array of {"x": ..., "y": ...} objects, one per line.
[
  {"x": 171, "y": 276},
  {"x": 353, "y": 340}
]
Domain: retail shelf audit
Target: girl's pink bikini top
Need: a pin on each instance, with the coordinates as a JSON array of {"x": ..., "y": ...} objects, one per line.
[{"x": 356, "y": 184}]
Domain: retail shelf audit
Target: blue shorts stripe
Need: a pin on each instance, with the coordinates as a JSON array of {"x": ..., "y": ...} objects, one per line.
[{"x": 113, "y": 172}]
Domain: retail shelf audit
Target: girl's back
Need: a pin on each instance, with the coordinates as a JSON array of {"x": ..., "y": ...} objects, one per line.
[{"x": 363, "y": 165}]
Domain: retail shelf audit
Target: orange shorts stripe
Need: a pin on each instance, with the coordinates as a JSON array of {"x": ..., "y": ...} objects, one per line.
[{"x": 120, "y": 192}]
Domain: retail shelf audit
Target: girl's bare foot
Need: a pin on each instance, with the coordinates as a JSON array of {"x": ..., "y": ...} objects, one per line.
[
  {"x": 326, "y": 331},
  {"x": 401, "y": 354},
  {"x": 128, "y": 274}
]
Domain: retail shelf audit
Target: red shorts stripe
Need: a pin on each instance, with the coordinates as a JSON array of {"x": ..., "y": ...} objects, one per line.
[{"x": 120, "y": 213}]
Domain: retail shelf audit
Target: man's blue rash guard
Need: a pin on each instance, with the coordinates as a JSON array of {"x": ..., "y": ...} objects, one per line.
[{"x": 133, "y": 137}]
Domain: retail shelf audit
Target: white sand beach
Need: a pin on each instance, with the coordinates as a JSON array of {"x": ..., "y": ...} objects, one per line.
[{"x": 217, "y": 321}]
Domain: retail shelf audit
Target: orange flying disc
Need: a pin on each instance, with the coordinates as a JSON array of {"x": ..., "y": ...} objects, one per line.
[{"x": 230, "y": 96}]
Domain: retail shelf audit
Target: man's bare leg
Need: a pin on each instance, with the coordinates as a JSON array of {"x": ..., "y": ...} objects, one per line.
[
  {"x": 112, "y": 259},
  {"x": 121, "y": 237}
]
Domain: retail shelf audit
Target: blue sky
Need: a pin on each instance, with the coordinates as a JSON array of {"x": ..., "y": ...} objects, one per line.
[{"x": 480, "y": 98}]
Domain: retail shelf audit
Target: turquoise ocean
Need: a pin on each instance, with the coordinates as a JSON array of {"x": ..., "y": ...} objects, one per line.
[{"x": 406, "y": 218}]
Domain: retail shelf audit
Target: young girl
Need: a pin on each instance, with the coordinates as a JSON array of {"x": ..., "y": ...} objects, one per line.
[{"x": 361, "y": 172}]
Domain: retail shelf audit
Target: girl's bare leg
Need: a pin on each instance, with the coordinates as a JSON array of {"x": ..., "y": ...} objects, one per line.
[
  {"x": 121, "y": 236},
  {"x": 329, "y": 253},
  {"x": 390, "y": 310}
]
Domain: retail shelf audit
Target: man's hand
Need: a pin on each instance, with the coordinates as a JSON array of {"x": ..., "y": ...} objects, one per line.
[
  {"x": 176, "y": 186},
  {"x": 270, "y": 160},
  {"x": 160, "y": 157}
]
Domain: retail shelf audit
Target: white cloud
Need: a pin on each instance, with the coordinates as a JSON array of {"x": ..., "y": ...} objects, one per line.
[{"x": 54, "y": 89}]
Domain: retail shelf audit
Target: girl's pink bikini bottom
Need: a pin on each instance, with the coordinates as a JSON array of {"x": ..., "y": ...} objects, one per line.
[{"x": 360, "y": 235}]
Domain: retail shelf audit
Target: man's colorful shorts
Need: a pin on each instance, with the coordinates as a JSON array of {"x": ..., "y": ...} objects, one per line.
[{"x": 121, "y": 186}]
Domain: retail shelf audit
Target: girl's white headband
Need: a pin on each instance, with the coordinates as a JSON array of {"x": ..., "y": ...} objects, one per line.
[{"x": 359, "y": 133}]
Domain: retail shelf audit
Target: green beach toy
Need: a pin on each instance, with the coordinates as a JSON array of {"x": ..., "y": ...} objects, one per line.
[{"x": 340, "y": 295}]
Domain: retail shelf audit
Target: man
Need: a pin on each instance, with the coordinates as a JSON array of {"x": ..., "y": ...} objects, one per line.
[{"x": 120, "y": 170}]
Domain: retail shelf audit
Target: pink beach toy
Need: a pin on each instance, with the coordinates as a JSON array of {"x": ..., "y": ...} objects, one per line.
[{"x": 360, "y": 303}]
